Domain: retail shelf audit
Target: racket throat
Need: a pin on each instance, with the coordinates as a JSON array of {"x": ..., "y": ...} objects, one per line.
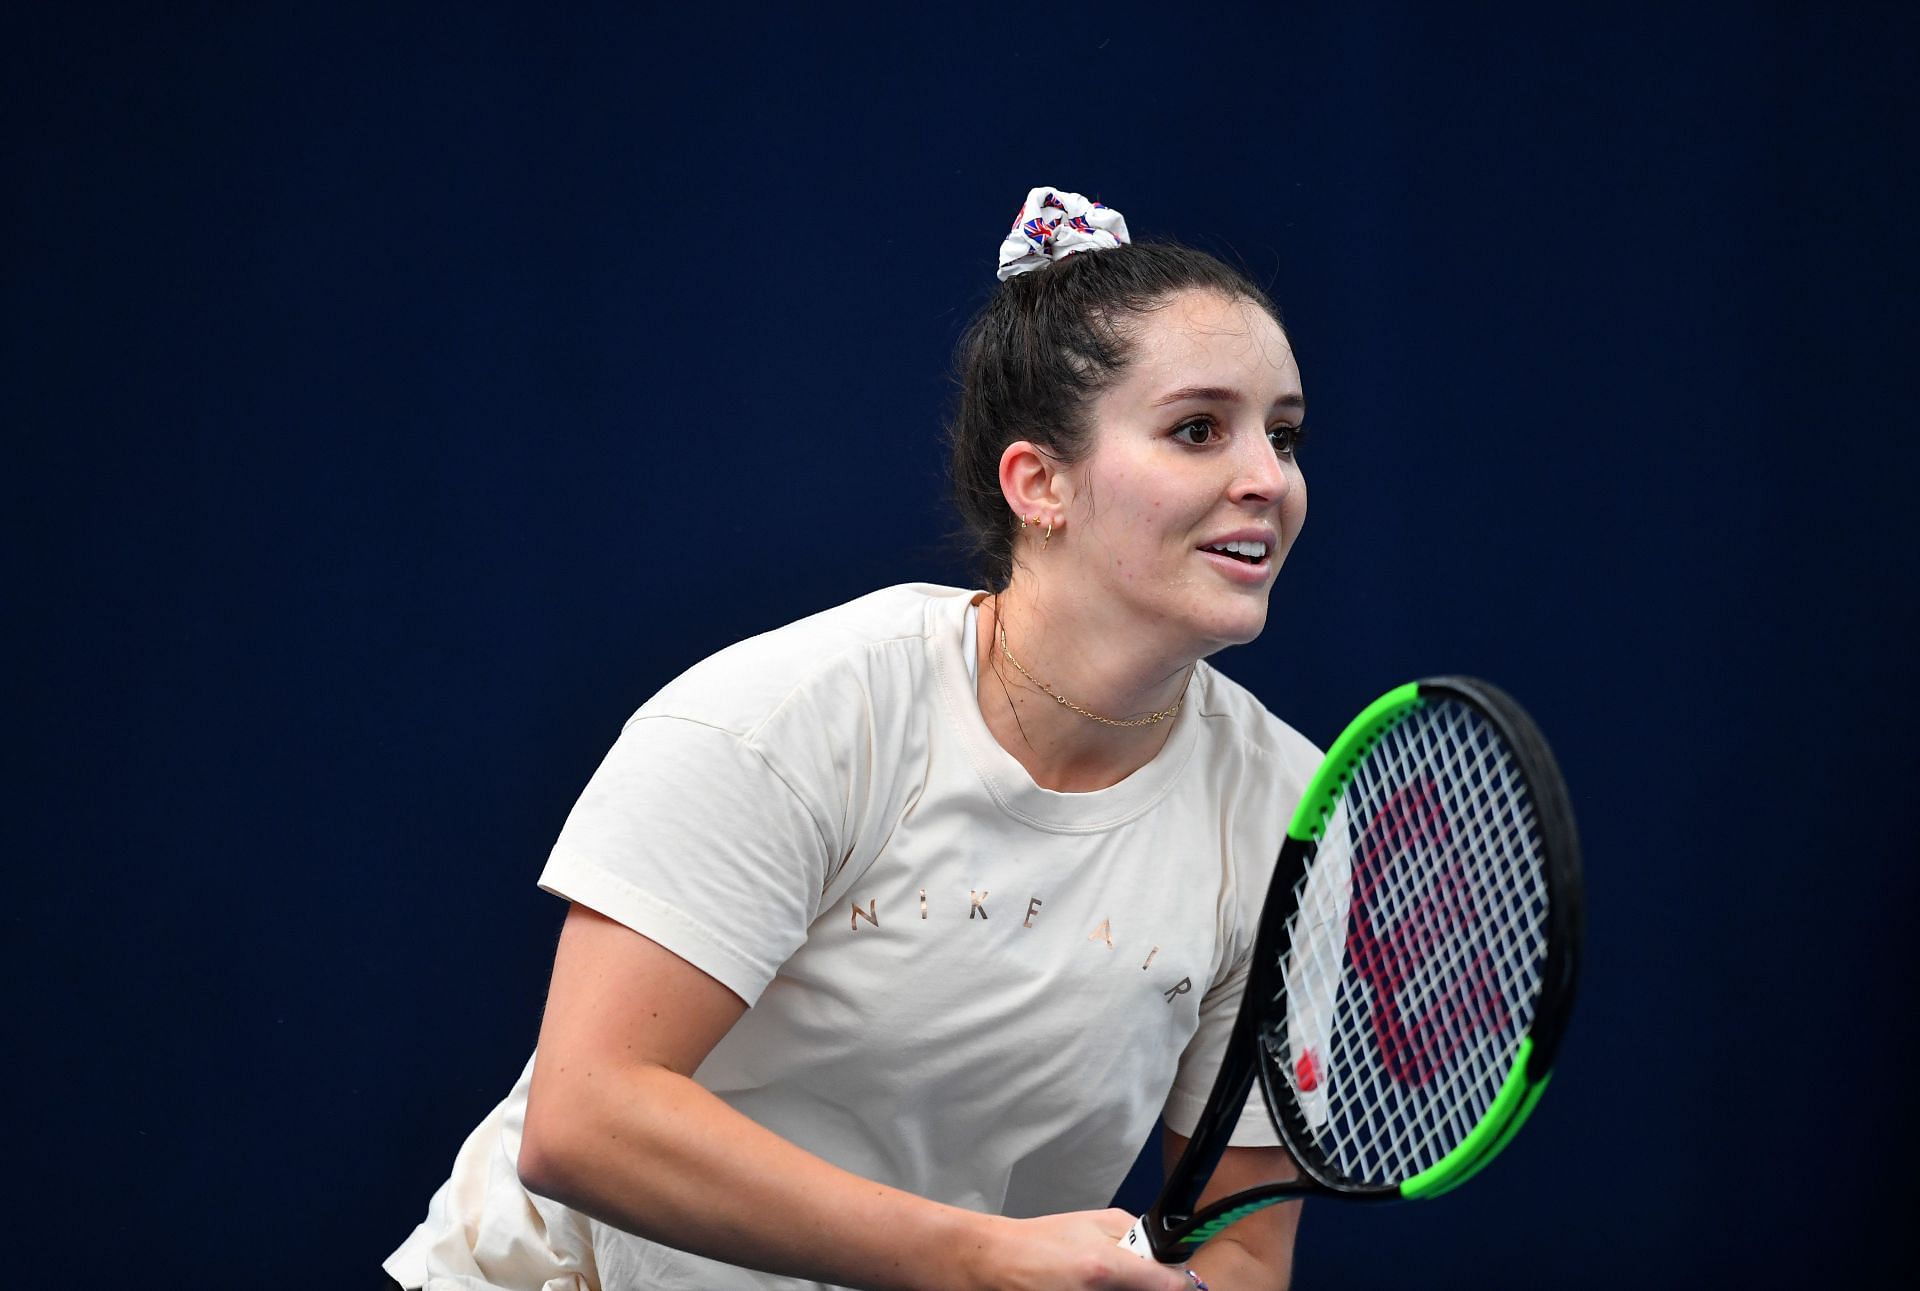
[{"x": 1185, "y": 1234}]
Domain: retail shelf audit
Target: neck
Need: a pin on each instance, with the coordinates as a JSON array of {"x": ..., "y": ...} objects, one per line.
[{"x": 1060, "y": 748}]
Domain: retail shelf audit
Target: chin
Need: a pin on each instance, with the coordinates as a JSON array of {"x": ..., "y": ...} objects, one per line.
[{"x": 1240, "y": 627}]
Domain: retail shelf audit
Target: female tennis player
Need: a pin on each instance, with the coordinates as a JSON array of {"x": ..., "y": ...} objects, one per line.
[{"x": 893, "y": 930}]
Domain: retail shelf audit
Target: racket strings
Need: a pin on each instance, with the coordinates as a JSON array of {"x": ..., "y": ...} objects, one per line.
[{"x": 1417, "y": 948}]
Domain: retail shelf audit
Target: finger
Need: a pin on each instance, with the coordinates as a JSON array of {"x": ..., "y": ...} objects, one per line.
[
  {"x": 1165, "y": 1278},
  {"x": 1145, "y": 1275}
]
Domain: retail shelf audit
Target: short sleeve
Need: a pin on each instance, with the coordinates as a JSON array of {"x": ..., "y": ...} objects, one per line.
[
  {"x": 1200, "y": 1061},
  {"x": 1313, "y": 978},
  {"x": 687, "y": 835}
]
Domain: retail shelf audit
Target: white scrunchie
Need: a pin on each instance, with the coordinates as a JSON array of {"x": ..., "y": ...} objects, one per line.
[{"x": 1053, "y": 225}]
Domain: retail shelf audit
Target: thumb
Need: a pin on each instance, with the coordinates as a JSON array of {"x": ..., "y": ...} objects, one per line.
[
  {"x": 1169, "y": 1277},
  {"x": 1144, "y": 1273}
]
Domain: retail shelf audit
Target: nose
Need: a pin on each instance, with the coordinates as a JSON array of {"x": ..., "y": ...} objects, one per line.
[{"x": 1261, "y": 478}]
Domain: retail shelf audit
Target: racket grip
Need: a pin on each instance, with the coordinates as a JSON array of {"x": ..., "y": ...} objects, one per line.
[{"x": 1136, "y": 1239}]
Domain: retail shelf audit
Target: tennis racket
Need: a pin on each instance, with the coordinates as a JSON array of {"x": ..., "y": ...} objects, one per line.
[{"x": 1414, "y": 966}]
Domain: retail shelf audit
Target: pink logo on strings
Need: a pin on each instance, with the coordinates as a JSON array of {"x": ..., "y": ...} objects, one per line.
[{"x": 1411, "y": 829}]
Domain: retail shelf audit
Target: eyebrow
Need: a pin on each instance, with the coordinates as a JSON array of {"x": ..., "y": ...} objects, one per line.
[{"x": 1220, "y": 394}]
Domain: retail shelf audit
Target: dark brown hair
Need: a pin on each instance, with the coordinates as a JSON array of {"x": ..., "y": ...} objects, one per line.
[{"x": 1042, "y": 348}]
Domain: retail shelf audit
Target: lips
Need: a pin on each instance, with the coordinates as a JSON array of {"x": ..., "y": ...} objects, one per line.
[
  {"x": 1254, "y": 545},
  {"x": 1253, "y": 552},
  {"x": 1245, "y": 557}
]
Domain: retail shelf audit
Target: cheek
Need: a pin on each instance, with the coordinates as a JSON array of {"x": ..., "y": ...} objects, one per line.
[{"x": 1134, "y": 498}]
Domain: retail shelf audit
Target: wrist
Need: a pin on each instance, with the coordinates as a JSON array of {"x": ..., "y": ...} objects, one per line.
[{"x": 975, "y": 1243}]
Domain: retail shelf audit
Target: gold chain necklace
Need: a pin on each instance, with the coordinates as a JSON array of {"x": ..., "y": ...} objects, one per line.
[{"x": 1000, "y": 629}]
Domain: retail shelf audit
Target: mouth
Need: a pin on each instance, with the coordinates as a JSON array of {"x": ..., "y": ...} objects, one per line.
[
  {"x": 1247, "y": 553},
  {"x": 1248, "y": 562}
]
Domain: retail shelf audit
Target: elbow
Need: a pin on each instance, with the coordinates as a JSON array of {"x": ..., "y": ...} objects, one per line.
[
  {"x": 580, "y": 1137},
  {"x": 577, "y": 1134},
  {"x": 546, "y": 1162},
  {"x": 537, "y": 1167}
]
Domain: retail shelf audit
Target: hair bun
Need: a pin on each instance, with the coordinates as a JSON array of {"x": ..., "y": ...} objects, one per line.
[{"x": 1052, "y": 225}]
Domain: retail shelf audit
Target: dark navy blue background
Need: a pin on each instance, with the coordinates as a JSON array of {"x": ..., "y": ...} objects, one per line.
[{"x": 395, "y": 396}]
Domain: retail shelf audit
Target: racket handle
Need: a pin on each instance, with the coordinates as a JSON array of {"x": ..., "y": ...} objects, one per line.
[{"x": 1136, "y": 1241}]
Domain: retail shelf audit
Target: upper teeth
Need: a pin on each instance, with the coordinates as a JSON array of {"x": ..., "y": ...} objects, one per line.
[{"x": 1254, "y": 550}]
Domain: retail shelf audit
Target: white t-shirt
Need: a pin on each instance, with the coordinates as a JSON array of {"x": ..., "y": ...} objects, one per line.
[{"x": 961, "y": 984}]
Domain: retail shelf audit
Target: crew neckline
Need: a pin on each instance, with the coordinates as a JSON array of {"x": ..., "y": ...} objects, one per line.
[{"x": 951, "y": 637}]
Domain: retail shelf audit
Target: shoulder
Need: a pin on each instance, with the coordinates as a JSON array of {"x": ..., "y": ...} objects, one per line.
[
  {"x": 1255, "y": 769},
  {"x": 1237, "y": 730},
  {"x": 873, "y": 648}
]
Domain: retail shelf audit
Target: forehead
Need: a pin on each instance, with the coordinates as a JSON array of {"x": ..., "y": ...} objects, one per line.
[{"x": 1201, "y": 338}]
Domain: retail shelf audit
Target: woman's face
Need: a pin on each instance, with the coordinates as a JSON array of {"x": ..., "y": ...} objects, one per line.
[{"x": 1192, "y": 449}]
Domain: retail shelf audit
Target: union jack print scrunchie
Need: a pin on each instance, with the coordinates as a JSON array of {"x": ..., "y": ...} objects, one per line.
[{"x": 1052, "y": 225}]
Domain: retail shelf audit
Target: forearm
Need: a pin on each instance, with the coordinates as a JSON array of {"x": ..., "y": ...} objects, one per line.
[
  {"x": 617, "y": 1128},
  {"x": 1256, "y": 1253},
  {"x": 1224, "y": 1264},
  {"x": 649, "y": 1151}
]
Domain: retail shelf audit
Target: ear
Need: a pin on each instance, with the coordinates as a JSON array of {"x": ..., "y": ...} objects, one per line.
[{"x": 1032, "y": 482}]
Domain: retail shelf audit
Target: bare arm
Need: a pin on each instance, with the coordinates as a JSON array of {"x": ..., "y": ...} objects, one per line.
[
  {"x": 617, "y": 1128},
  {"x": 1255, "y": 1254}
]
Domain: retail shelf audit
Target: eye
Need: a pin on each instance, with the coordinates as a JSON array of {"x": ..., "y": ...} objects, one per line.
[
  {"x": 1200, "y": 430},
  {"x": 1286, "y": 440}
]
